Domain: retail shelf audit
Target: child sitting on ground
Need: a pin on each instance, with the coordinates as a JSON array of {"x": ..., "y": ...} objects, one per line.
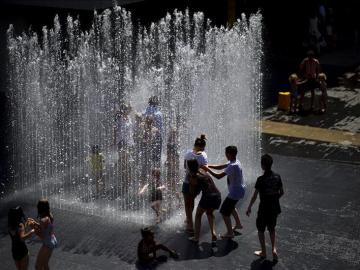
[
  {"x": 323, "y": 89},
  {"x": 147, "y": 248},
  {"x": 155, "y": 189}
]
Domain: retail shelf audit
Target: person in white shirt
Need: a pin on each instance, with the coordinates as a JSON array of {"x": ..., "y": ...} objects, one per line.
[
  {"x": 236, "y": 186},
  {"x": 198, "y": 153}
]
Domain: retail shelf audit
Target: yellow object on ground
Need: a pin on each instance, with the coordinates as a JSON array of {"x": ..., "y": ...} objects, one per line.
[
  {"x": 284, "y": 101},
  {"x": 310, "y": 133}
]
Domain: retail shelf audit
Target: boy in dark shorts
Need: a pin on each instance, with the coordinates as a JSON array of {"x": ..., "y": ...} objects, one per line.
[
  {"x": 236, "y": 188},
  {"x": 270, "y": 189}
]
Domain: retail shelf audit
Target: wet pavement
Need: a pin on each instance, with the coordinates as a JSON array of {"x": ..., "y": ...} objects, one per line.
[{"x": 318, "y": 229}]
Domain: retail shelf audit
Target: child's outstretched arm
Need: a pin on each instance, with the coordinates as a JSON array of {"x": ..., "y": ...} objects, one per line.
[
  {"x": 142, "y": 190},
  {"x": 216, "y": 175},
  {"x": 25, "y": 235},
  {"x": 172, "y": 253},
  {"x": 217, "y": 167},
  {"x": 253, "y": 199}
]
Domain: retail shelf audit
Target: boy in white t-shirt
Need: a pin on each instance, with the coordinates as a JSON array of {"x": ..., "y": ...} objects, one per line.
[{"x": 236, "y": 186}]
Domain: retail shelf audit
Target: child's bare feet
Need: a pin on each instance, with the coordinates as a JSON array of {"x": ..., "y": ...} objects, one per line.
[
  {"x": 260, "y": 254},
  {"x": 275, "y": 255},
  {"x": 237, "y": 227},
  {"x": 194, "y": 240}
]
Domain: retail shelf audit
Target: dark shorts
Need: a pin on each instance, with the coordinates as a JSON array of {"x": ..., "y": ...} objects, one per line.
[
  {"x": 19, "y": 254},
  {"x": 211, "y": 201},
  {"x": 264, "y": 221},
  {"x": 228, "y": 206},
  {"x": 156, "y": 195},
  {"x": 311, "y": 84},
  {"x": 185, "y": 188}
]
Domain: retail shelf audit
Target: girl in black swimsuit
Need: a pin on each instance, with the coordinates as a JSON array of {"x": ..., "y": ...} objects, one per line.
[
  {"x": 209, "y": 202},
  {"x": 18, "y": 234}
]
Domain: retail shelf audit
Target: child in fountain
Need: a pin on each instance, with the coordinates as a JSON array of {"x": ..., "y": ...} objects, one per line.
[
  {"x": 17, "y": 228},
  {"x": 45, "y": 230},
  {"x": 269, "y": 187},
  {"x": 323, "y": 89},
  {"x": 156, "y": 196},
  {"x": 236, "y": 186},
  {"x": 147, "y": 249},
  {"x": 97, "y": 166},
  {"x": 149, "y": 153}
]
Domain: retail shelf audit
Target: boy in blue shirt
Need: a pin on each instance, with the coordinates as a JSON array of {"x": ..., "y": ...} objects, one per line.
[{"x": 236, "y": 186}]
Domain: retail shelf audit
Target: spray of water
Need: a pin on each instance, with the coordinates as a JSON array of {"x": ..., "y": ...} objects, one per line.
[{"x": 67, "y": 85}]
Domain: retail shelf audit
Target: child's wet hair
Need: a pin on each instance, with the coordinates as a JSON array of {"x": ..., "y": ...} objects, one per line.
[
  {"x": 155, "y": 172},
  {"x": 193, "y": 165},
  {"x": 200, "y": 141},
  {"x": 15, "y": 217},
  {"x": 266, "y": 161},
  {"x": 146, "y": 232},
  {"x": 154, "y": 101},
  {"x": 293, "y": 77},
  {"x": 322, "y": 76},
  {"x": 43, "y": 208},
  {"x": 95, "y": 148},
  {"x": 232, "y": 150}
]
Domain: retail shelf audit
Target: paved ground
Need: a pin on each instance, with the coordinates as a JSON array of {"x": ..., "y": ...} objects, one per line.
[
  {"x": 331, "y": 136},
  {"x": 318, "y": 229}
]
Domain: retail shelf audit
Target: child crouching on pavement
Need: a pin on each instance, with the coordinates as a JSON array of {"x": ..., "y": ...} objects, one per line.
[{"x": 147, "y": 248}]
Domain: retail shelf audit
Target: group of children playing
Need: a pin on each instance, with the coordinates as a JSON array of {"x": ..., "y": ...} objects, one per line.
[
  {"x": 139, "y": 147},
  {"x": 197, "y": 180},
  {"x": 21, "y": 228}
]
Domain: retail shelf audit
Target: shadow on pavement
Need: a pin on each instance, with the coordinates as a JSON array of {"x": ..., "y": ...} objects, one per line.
[
  {"x": 261, "y": 264},
  {"x": 190, "y": 251}
]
